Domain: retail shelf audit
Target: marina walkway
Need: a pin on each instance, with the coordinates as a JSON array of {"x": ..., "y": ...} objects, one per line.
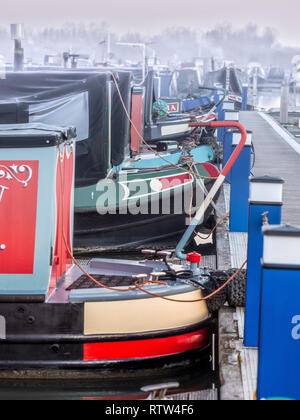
[
  {"x": 277, "y": 154},
  {"x": 274, "y": 155}
]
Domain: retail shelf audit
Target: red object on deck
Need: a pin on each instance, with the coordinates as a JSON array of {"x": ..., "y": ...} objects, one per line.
[
  {"x": 140, "y": 349},
  {"x": 18, "y": 209},
  {"x": 194, "y": 258}
]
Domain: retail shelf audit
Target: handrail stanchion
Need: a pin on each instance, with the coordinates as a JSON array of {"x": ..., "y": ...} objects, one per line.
[
  {"x": 239, "y": 191},
  {"x": 245, "y": 97},
  {"x": 229, "y": 115},
  {"x": 265, "y": 207},
  {"x": 279, "y": 337}
]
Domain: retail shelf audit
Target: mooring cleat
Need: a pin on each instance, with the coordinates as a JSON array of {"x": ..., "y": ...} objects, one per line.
[
  {"x": 158, "y": 392},
  {"x": 157, "y": 276},
  {"x": 166, "y": 254},
  {"x": 140, "y": 278},
  {"x": 148, "y": 251}
]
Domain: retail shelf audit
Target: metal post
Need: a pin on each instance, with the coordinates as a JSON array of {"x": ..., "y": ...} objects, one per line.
[
  {"x": 213, "y": 64},
  {"x": 228, "y": 71},
  {"x": 255, "y": 86},
  {"x": 245, "y": 98},
  {"x": 17, "y": 34},
  {"x": 265, "y": 207},
  {"x": 239, "y": 192},
  {"x": 220, "y": 130},
  {"x": 284, "y": 105},
  {"x": 229, "y": 115},
  {"x": 279, "y": 339},
  {"x": 66, "y": 56},
  {"x": 108, "y": 48},
  {"x": 221, "y": 117}
]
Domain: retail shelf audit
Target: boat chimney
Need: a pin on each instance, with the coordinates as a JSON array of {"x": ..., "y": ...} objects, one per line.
[
  {"x": 213, "y": 64},
  {"x": 17, "y": 35},
  {"x": 66, "y": 56}
]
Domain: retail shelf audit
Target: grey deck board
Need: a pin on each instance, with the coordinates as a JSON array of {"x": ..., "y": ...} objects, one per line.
[{"x": 275, "y": 157}]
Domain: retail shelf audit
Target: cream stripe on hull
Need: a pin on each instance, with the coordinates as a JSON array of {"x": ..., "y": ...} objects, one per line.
[{"x": 143, "y": 315}]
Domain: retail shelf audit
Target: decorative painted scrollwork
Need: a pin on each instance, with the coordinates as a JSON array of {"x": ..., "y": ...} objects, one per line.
[{"x": 15, "y": 172}]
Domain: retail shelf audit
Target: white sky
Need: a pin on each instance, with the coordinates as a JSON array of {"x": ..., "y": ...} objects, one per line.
[{"x": 150, "y": 16}]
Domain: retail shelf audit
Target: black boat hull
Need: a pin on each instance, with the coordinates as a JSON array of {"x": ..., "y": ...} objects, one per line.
[{"x": 118, "y": 231}]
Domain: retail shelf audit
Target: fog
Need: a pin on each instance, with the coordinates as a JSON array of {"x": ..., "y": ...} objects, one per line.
[{"x": 180, "y": 44}]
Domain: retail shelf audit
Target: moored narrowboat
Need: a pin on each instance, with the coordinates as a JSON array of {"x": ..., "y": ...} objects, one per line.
[
  {"x": 109, "y": 153},
  {"x": 55, "y": 313}
]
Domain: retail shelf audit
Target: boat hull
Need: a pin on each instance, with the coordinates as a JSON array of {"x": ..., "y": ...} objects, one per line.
[
  {"x": 98, "y": 352},
  {"x": 156, "y": 217},
  {"x": 174, "y": 128},
  {"x": 49, "y": 346},
  {"x": 85, "y": 325},
  {"x": 93, "y": 231}
]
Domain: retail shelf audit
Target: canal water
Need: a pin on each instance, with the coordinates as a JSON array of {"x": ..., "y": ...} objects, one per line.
[
  {"x": 194, "y": 374},
  {"x": 197, "y": 372}
]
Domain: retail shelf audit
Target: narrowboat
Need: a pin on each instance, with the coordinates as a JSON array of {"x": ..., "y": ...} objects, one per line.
[
  {"x": 110, "y": 155},
  {"x": 168, "y": 118},
  {"x": 230, "y": 79},
  {"x": 57, "y": 314}
]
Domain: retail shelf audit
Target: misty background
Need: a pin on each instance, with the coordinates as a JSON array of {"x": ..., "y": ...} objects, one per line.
[{"x": 240, "y": 45}]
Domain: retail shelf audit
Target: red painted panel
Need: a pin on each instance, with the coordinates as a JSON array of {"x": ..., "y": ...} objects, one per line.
[
  {"x": 68, "y": 189},
  {"x": 18, "y": 208},
  {"x": 62, "y": 260},
  {"x": 173, "y": 107},
  {"x": 137, "y": 119},
  {"x": 211, "y": 169},
  {"x": 146, "y": 348},
  {"x": 175, "y": 180}
]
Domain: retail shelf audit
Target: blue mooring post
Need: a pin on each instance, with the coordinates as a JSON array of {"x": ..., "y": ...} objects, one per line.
[
  {"x": 279, "y": 340},
  {"x": 239, "y": 191},
  {"x": 220, "y": 131},
  {"x": 245, "y": 98},
  {"x": 265, "y": 206},
  {"x": 229, "y": 115},
  {"x": 219, "y": 112},
  {"x": 221, "y": 115}
]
